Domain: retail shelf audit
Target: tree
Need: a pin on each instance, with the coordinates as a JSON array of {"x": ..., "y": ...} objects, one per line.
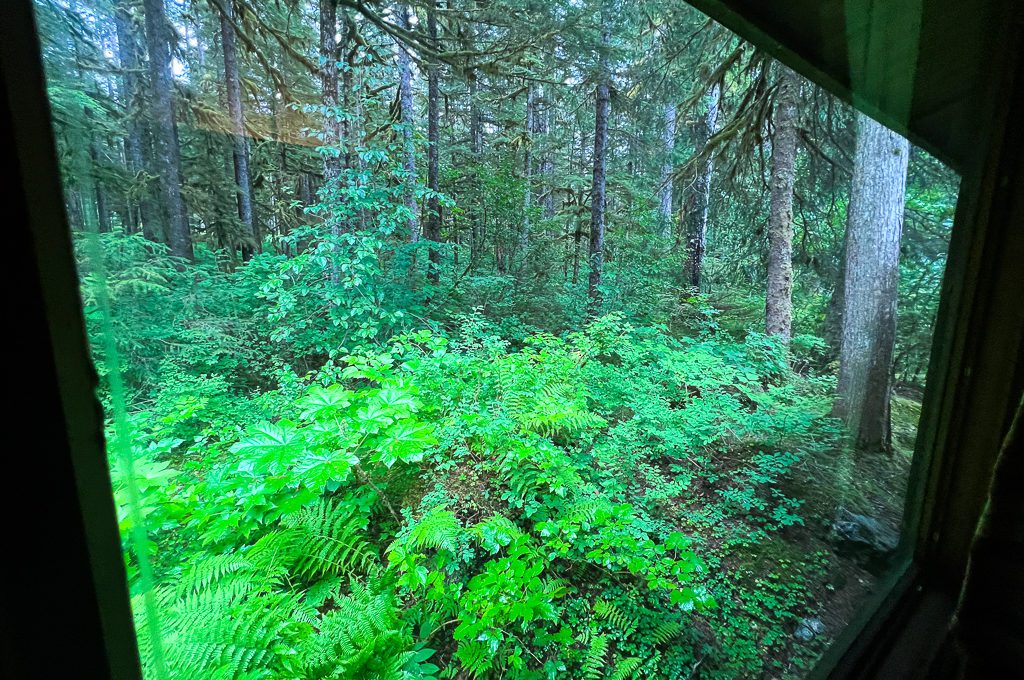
[
  {"x": 239, "y": 144},
  {"x": 598, "y": 187},
  {"x": 699, "y": 202},
  {"x": 779, "y": 289},
  {"x": 408, "y": 114},
  {"x": 870, "y": 287},
  {"x": 432, "y": 230},
  {"x": 529, "y": 128},
  {"x": 137, "y": 147},
  {"x": 167, "y": 155},
  {"x": 668, "y": 144},
  {"x": 329, "y": 57},
  {"x": 547, "y": 164}
]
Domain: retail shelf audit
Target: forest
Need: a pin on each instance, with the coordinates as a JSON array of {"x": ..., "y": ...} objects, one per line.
[{"x": 489, "y": 338}]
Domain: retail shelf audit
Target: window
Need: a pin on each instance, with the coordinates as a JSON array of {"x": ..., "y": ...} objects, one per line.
[{"x": 517, "y": 363}]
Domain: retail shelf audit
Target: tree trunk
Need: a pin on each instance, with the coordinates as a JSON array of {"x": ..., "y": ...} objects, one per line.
[
  {"x": 524, "y": 230},
  {"x": 871, "y": 284},
  {"x": 329, "y": 86},
  {"x": 699, "y": 201},
  {"x": 432, "y": 231},
  {"x": 668, "y": 143},
  {"x": 330, "y": 56},
  {"x": 476, "y": 128},
  {"x": 547, "y": 165},
  {"x": 408, "y": 126},
  {"x": 779, "y": 289},
  {"x": 833, "y": 333},
  {"x": 602, "y": 107},
  {"x": 138, "y": 152},
  {"x": 99, "y": 194},
  {"x": 239, "y": 143},
  {"x": 167, "y": 156}
]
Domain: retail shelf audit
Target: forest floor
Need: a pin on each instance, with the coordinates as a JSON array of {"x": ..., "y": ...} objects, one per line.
[{"x": 878, "y": 486}]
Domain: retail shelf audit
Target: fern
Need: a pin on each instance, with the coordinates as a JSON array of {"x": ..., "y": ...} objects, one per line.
[
  {"x": 328, "y": 541},
  {"x": 436, "y": 530},
  {"x": 363, "y": 637},
  {"x": 201, "y": 574},
  {"x": 475, "y": 658},
  {"x": 585, "y": 512},
  {"x": 664, "y": 632},
  {"x": 217, "y": 632},
  {"x": 556, "y": 408},
  {"x": 626, "y": 668},
  {"x": 496, "y": 532},
  {"x": 594, "y": 662},
  {"x": 608, "y": 611}
]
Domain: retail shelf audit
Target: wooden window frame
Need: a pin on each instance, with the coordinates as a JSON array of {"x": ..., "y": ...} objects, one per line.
[{"x": 65, "y": 606}]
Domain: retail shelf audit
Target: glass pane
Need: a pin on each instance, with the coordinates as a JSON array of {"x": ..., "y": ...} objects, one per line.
[{"x": 576, "y": 339}]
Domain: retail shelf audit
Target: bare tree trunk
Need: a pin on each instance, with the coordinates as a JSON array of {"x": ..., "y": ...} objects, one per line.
[
  {"x": 699, "y": 202},
  {"x": 602, "y": 108},
  {"x": 138, "y": 152},
  {"x": 871, "y": 284},
  {"x": 547, "y": 165},
  {"x": 433, "y": 221},
  {"x": 779, "y": 289},
  {"x": 668, "y": 143},
  {"x": 329, "y": 85},
  {"x": 329, "y": 55},
  {"x": 99, "y": 195},
  {"x": 524, "y": 230},
  {"x": 408, "y": 126},
  {"x": 167, "y": 156},
  {"x": 239, "y": 144},
  {"x": 834, "y": 312},
  {"x": 476, "y": 128},
  {"x": 577, "y": 239}
]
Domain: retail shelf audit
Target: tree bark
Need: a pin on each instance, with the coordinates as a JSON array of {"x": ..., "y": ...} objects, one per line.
[
  {"x": 668, "y": 143},
  {"x": 239, "y": 143},
  {"x": 329, "y": 86},
  {"x": 779, "y": 289},
  {"x": 871, "y": 283},
  {"x": 138, "y": 152},
  {"x": 167, "y": 156},
  {"x": 699, "y": 202},
  {"x": 408, "y": 126},
  {"x": 432, "y": 230},
  {"x": 330, "y": 56},
  {"x": 602, "y": 108},
  {"x": 476, "y": 128},
  {"x": 547, "y": 164},
  {"x": 99, "y": 194},
  {"x": 528, "y": 130}
]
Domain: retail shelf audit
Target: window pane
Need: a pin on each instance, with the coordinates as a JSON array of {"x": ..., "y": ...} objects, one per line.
[{"x": 575, "y": 339}]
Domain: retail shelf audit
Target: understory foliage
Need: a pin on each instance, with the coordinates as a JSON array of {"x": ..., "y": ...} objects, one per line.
[{"x": 449, "y": 502}]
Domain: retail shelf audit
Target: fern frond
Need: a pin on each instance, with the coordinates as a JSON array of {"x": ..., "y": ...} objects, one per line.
[
  {"x": 664, "y": 632},
  {"x": 202, "y": 573},
  {"x": 497, "y": 530},
  {"x": 331, "y": 541},
  {"x": 474, "y": 657},
  {"x": 626, "y": 668},
  {"x": 608, "y": 611},
  {"x": 436, "y": 530},
  {"x": 594, "y": 662}
]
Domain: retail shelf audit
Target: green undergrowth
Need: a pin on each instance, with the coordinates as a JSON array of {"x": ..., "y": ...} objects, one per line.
[{"x": 615, "y": 502}]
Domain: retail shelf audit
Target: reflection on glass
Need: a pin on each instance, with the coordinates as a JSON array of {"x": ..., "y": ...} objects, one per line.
[{"x": 560, "y": 340}]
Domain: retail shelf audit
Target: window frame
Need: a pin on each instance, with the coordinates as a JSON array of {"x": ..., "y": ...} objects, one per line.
[{"x": 967, "y": 405}]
